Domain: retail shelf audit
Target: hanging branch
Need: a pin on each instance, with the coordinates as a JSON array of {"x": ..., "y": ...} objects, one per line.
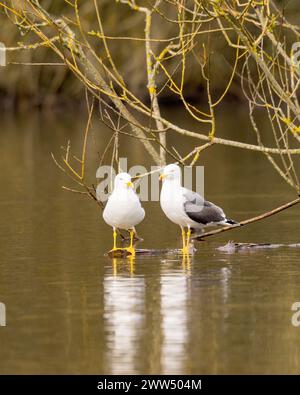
[{"x": 179, "y": 39}]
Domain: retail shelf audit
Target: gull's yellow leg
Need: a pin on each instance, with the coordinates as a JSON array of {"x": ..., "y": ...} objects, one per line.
[
  {"x": 131, "y": 238},
  {"x": 115, "y": 239},
  {"x": 115, "y": 248},
  {"x": 188, "y": 239},
  {"x": 184, "y": 249},
  {"x": 188, "y": 236},
  {"x": 183, "y": 236},
  {"x": 131, "y": 247}
]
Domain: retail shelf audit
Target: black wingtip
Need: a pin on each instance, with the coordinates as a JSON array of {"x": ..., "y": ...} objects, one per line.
[{"x": 231, "y": 222}]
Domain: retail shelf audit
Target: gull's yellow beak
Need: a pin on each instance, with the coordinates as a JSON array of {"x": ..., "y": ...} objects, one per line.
[
  {"x": 162, "y": 177},
  {"x": 129, "y": 184}
]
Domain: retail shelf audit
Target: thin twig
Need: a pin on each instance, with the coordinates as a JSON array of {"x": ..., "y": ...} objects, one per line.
[{"x": 247, "y": 221}]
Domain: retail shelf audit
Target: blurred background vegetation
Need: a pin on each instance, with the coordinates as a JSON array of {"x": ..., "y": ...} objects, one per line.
[{"x": 22, "y": 84}]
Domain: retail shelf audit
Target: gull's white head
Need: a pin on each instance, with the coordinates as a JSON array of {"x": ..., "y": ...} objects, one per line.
[
  {"x": 171, "y": 172},
  {"x": 123, "y": 180}
]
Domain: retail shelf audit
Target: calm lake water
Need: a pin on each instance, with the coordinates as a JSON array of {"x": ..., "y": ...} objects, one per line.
[{"x": 70, "y": 309}]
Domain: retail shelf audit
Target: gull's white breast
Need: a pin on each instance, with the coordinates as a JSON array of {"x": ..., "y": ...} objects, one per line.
[
  {"x": 123, "y": 209},
  {"x": 172, "y": 203}
]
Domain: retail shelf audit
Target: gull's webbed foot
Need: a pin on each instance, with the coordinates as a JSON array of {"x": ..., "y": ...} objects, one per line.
[{"x": 131, "y": 250}]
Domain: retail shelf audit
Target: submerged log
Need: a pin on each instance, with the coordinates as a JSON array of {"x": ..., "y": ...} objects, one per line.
[
  {"x": 232, "y": 246},
  {"x": 123, "y": 253}
]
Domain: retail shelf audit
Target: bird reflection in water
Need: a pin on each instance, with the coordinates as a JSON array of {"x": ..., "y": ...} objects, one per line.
[
  {"x": 124, "y": 315},
  {"x": 126, "y": 320},
  {"x": 121, "y": 265},
  {"x": 186, "y": 264}
]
